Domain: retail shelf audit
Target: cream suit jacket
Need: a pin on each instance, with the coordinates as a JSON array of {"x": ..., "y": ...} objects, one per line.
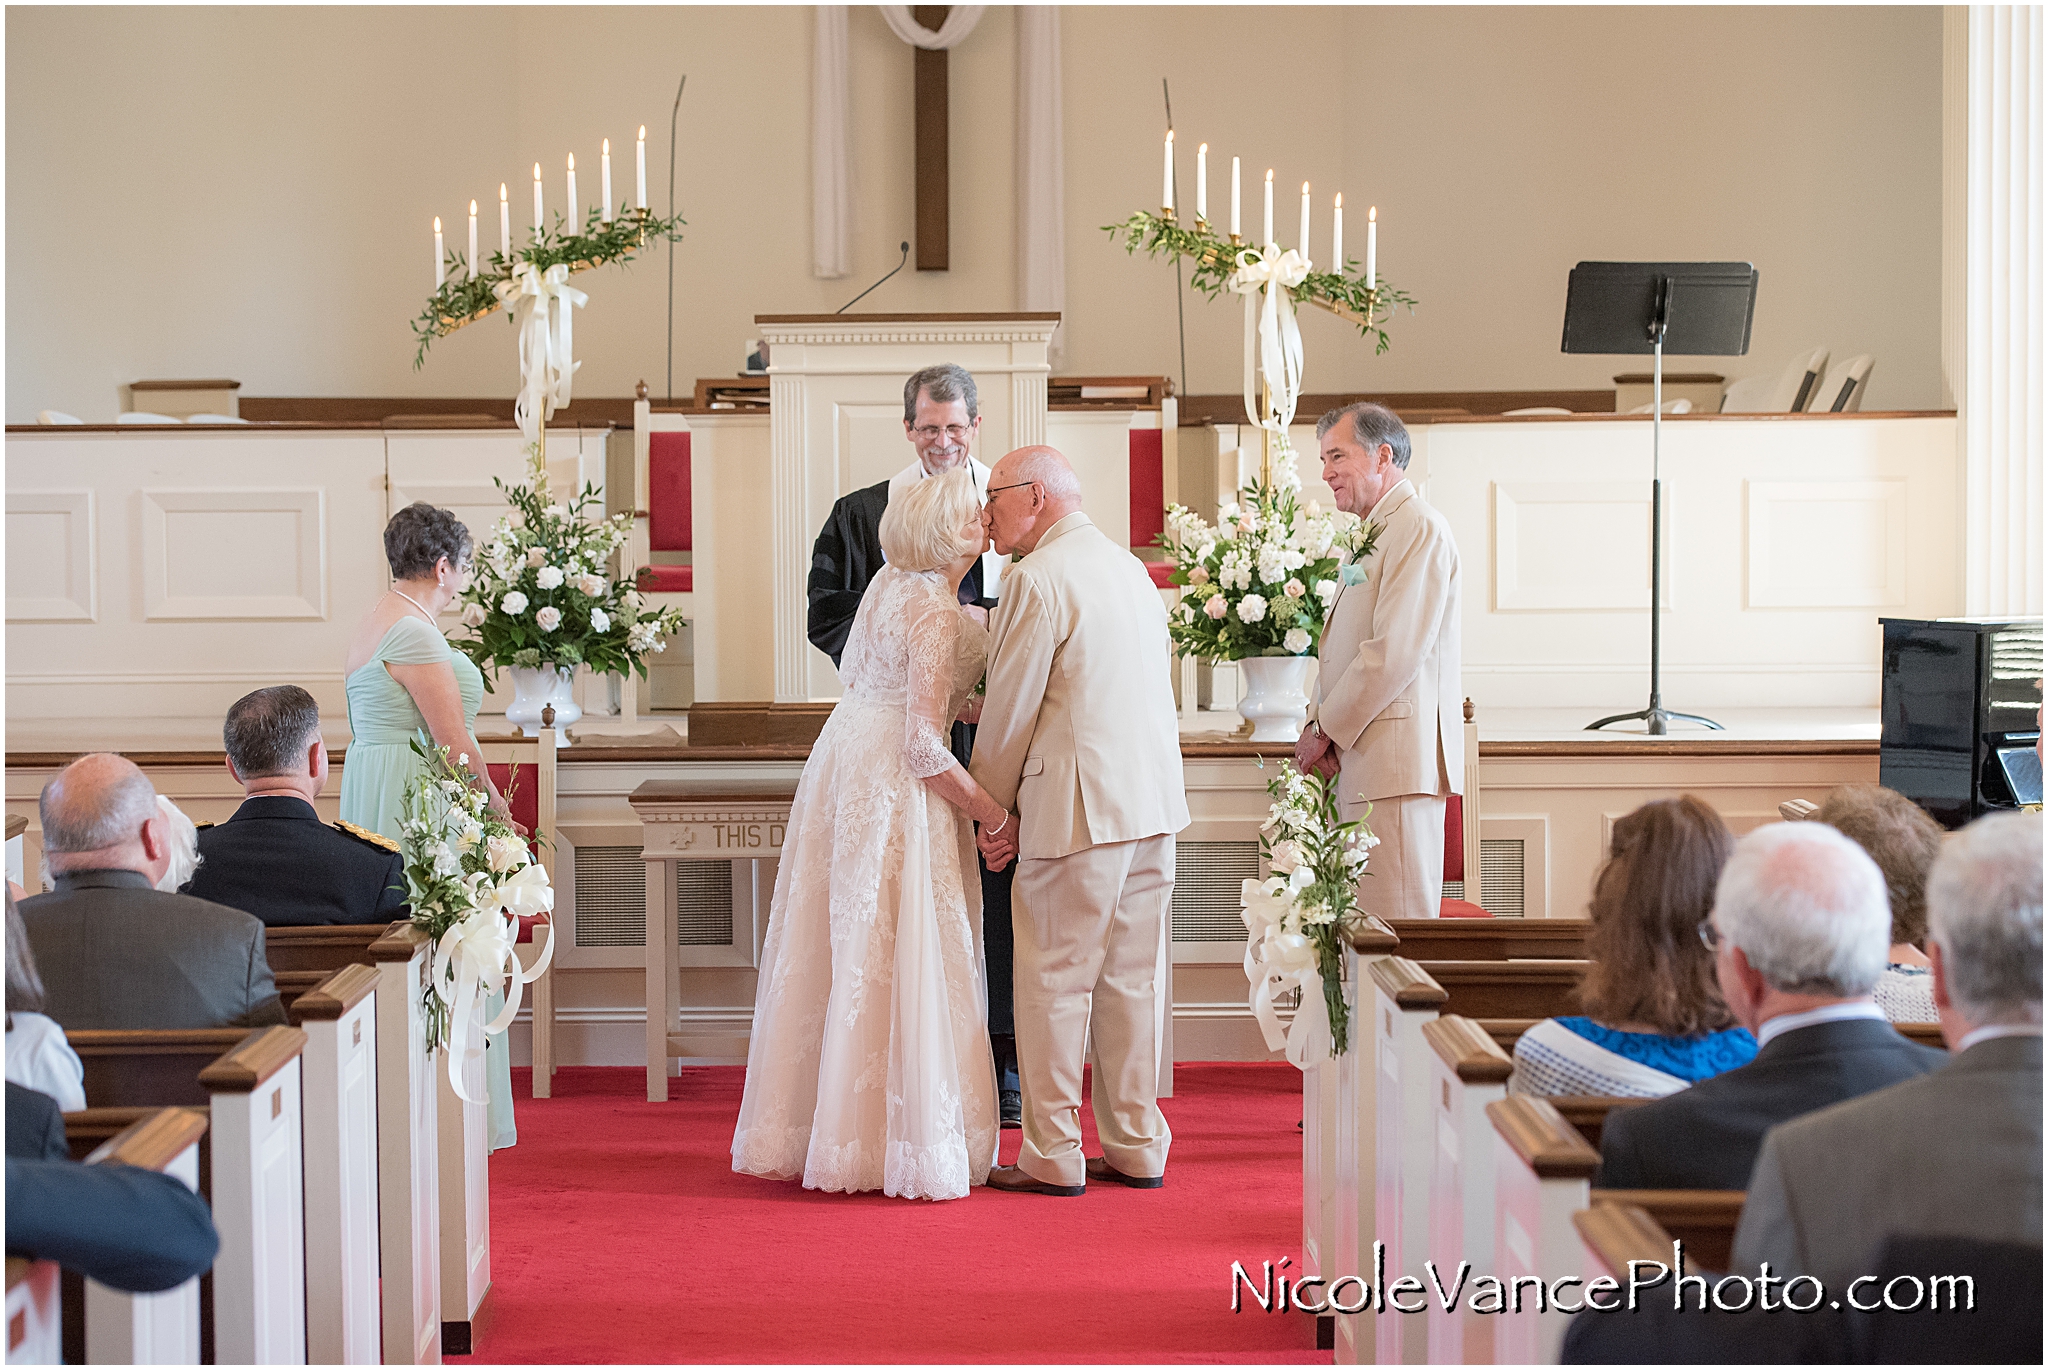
[
  {"x": 1387, "y": 690},
  {"x": 1079, "y": 736}
]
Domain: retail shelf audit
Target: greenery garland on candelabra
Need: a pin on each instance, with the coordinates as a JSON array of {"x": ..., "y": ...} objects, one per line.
[
  {"x": 463, "y": 298},
  {"x": 1216, "y": 259}
]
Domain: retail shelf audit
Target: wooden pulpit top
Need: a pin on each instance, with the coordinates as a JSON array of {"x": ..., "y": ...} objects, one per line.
[
  {"x": 998, "y": 316},
  {"x": 659, "y": 794}
]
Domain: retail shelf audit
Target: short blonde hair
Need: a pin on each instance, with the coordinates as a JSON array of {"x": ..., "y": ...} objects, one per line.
[{"x": 921, "y": 527}]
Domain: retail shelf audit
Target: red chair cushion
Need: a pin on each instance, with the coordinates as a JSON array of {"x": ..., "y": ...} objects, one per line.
[
  {"x": 1460, "y": 908},
  {"x": 667, "y": 580},
  {"x": 668, "y": 492},
  {"x": 1159, "y": 571},
  {"x": 1454, "y": 837},
  {"x": 1148, "y": 485},
  {"x": 526, "y": 813}
]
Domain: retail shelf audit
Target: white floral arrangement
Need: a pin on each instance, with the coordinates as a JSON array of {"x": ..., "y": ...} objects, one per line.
[
  {"x": 541, "y": 595},
  {"x": 469, "y": 877},
  {"x": 1262, "y": 580},
  {"x": 1296, "y": 919}
]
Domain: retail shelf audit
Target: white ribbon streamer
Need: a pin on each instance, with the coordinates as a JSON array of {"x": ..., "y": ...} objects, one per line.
[
  {"x": 480, "y": 953},
  {"x": 542, "y": 305},
  {"x": 1276, "y": 961},
  {"x": 1271, "y": 334}
]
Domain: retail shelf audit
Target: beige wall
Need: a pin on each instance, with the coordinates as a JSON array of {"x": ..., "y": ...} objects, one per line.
[{"x": 247, "y": 193}]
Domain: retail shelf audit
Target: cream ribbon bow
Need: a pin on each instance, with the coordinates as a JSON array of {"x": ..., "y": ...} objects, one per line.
[
  {"x": 1277, "y": 960},
  {"x": 541, "y": 303},
  {"x": 480, "y": 953},
  {"x": 1275, "y": 273}
]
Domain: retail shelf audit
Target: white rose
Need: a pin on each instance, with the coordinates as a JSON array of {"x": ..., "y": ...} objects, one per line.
[
  {"x": 1217, "y": 607},
  {"x": 1296, "y": 641},
  {"x": 1203, "y": 552},
  {"x": 550, "y": 577},
  {"x": 548, "y": 618},
  {"x": 600, "y": 621},
  {"x": 1251, "y": 608},
  {"x": 513, "y": 604},
  {"x": 634, "y": 601},
  {"x": 1295, "y": 589},
  {"x": 506, "y": 853},
  {"x": 1326, "y": 591},
  {"x": 536, "y": 556},
  {"x": 472, "y": 615},
  {"x": 593, "y": 586},
  {"x": 1286, "y": 856}
]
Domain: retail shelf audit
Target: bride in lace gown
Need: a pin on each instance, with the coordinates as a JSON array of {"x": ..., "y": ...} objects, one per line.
[{"x": 870, "y": 1065}]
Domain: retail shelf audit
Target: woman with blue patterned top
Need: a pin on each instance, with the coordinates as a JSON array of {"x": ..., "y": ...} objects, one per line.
[{"x": 1655, "y": 1020}]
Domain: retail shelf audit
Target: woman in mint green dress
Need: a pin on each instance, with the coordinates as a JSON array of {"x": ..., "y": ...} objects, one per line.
[{"x": 404, "y": 682}]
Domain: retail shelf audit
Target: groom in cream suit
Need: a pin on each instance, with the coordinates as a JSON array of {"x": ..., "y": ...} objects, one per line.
[
  {"x": 1079, "y": 741},
  {"x": 1386, "y": 716}
]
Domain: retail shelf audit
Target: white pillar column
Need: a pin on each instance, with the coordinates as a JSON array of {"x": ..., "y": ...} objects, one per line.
[
  {"x": 789, "y": 497},
  {"x": 2002, "y": 352}
]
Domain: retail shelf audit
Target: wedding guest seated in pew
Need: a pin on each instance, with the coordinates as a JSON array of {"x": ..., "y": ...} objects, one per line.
[
  {"x": 35, "y": 1125},
  {"x": 274, "y": 858},
  {"x": 1655, "y": 1020},
  {"x": 1904, "y": 840},
  {"x": 1953, "y": 1153},
  {"x": 116, "y": 953},
  {"x": 38, "y": 1057},
  {"x": 1800, "y": 929},
  {"x": 130, "y": 1229}
]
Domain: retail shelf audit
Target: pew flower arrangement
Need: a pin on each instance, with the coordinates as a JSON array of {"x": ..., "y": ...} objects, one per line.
[
  {"x": 1295, "y": 919},
  {"x": 468, "y": 876},
  {"x": 1261, "y": 581},
  {"x": 541, "y": 598}
]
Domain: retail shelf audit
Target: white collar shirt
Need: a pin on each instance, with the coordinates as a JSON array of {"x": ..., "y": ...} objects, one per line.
[{"x": 1827, "y": 1013}]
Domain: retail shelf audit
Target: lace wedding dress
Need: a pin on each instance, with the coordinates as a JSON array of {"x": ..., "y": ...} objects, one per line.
[{"x": 870, "y": 1065}]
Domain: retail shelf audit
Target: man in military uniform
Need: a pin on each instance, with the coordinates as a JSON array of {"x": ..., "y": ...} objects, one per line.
[
  {"x": 941, "y": 418},
  {"x": 275, "y": 858}
]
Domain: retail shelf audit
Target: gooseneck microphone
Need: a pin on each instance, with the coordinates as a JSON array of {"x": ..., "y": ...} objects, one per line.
[{"x": 871, "y": 289}]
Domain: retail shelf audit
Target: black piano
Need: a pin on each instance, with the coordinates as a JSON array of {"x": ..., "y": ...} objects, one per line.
[{"x": 1962, "y": 714}]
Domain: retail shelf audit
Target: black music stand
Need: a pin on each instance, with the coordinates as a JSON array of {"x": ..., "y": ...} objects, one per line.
[{"x": 1698, "y": 309}]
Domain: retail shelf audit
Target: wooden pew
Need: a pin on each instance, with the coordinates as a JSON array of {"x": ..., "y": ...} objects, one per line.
[
  {"x": 325, "y": 949},
  {"x": 1541, "y": 1172},
  {"x": 1338, "y": 1127},
  {"x": 1618, "y": 1236},
  {"x": 1704, "y": 1219},
  {"x": 1588, "y": 1112},
  {"x": 464, "y": 1146},
  {"x": 1405, "y": 1001},
  {"x": 1491, "y": 939},
  {"x": 35, "y": 1322},
  {"x": 408, "y": 1152},
  {"x": 147, "y": 1329},
  {"x": 259, "y": 1199},
  {"x": 1507, "y": 1031},
  {"x": 130, "y": 1069},
  {"x": 343, "y": 1324},
  {"x": 1508, "y": 989},
  {"x": 1467, "y": 1072}
]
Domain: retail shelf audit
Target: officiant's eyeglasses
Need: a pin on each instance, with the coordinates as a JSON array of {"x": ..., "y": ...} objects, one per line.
[{"x": 928, "y": 433}]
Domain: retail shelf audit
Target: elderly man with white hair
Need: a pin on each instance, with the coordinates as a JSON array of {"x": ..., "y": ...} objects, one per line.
[
  {"x": 1955, "y": 1154},
  {"x": 1800, "y": 930},
  {"x": 116, "y": 952}
]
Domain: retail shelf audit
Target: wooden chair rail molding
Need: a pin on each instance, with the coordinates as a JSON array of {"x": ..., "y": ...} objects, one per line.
[
  {"x": 337, "y": 994},
  {"x": 323, "y": 948},
  {"x": 153, "y": 1141},
  {"x": 1406, "y": 983},
  {"x": 1547, "y": 1144},
  {"x": 1619, "y": 1234},
  {"x": 398, "y": 943},
  {"x": 1371, "y": 937},
  {"x": 16, "y": 826},
  {"x": 261, "y": 1055},
  {"x": 1466, "y": 1048},
  {"x": 142, "y": 1067},
  {"x": 1491, "y": 939}
]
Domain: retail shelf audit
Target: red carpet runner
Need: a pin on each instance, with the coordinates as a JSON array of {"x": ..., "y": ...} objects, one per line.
[{"x": 620, "y": 1234}]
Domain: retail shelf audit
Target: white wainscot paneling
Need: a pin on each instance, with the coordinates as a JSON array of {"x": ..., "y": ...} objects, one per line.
[
  {"x": 51, "y": 572},
  {"x": 279, "y": 566},
  {"x": 1544, "y": 531},
  {"x": 1827, "y": 544}
]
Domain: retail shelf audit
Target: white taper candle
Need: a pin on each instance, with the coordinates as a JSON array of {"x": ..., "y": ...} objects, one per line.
[
  {"x": 440, "y": 266},
  {"x": 1166, "y": 187},
  {"x": 504, "y": 221},
  {"x": 1268, "y": 238},
  {"x": 472, "y": 240},
  {"x": 1236, "y": 200},
  {"x": 538, "y": 222},
  {"x": 1337, "y": 236},
  {"x": 1202, "y": 183},
  {"x": 604, "y": 209},
  {"x": 640, "y": 171},
  {"x": 575, "y": 205},
  {"x": 1304, "y": 221},
  {"x": 1372, "y": 248}
]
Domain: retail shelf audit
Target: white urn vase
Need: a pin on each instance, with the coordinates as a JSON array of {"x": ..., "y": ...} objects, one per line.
[
  {"x": 1274, "y": 700},
  {"x": 535, "y": 686}
]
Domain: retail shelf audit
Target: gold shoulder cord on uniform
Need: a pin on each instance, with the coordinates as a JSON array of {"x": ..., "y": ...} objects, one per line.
[{"x": 375, "y": 839}]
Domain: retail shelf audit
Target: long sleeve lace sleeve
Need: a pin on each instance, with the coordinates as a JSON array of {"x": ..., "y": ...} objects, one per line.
[{"x": 928, "y": 695}]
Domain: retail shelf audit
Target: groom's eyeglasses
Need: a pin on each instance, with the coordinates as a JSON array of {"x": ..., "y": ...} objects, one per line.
[{"x": 995, "y": 490}]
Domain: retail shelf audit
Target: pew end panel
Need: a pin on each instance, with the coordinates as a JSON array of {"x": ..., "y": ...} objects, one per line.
[
  {"x": 408, "y": 1152},
  {"x": 35, "y": 1322},
  {"x": 463, "y": 1143},
  {"x": 342, "y": 1315},
  {"x": 259, "y": 1199},
  {"x": 148, "y": 1329},
  {"x": 1404, "y": 1000},
  {"x": 1542, "y": 1169},
  {"x": 1468, "y": 1071},
  {"x": 1338, "y": 1173}
]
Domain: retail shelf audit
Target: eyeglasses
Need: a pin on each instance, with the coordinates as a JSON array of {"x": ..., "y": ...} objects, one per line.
[
  {"x": 1710, "y": 936},
  {"x": 995, "y": 490},
  {"x": 929, "y": 433}
]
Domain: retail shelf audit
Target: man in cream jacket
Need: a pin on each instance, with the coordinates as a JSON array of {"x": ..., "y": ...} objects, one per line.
[
  {"x": 1386, "y": 715},
  {"x": 1079, "y": 740}
]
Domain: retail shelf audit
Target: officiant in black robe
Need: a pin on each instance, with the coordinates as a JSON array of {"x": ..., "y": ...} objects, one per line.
[{"x": 939, "y": 418}]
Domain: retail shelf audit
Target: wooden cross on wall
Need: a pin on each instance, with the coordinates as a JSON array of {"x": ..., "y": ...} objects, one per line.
[{"x": 931, "y": 123}]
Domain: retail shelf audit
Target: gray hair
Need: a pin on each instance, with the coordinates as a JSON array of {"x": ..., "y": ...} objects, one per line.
[
  {"x": 268, "y": 731},
  {"x": 99, "y": 800},
  {"x": 941, "y": 384},
  {"x": 1372, "y": 424},
  {"x": 24, "y": 985},
  {"x": 1807, "y": 906},
  {"x": 183, "y": 836},
  {"x": 1049, "y": 469},
  {"x": 419, "y": 535},
  {"x": 1984, "y": 910}
]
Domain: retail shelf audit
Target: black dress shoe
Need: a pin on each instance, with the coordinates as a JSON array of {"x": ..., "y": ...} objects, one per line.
[
  {"x": 1099, "y": 1168},
  {"x": 1013, "y": 1180},
  {"x": 1012, "y": 1108}
]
